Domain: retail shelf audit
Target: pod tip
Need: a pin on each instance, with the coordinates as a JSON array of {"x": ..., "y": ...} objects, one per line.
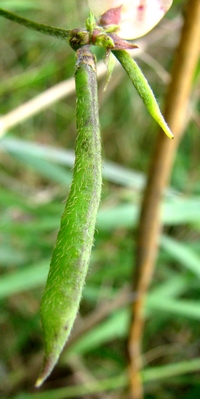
[{"x": 47, "y": 368}]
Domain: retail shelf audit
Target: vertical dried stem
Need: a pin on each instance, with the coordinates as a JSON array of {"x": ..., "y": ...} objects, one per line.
[{"x": 186, "y": 58}]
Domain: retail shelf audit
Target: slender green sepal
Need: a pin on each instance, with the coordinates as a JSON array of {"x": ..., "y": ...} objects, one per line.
[
  {"x": 46, "y": 29},
  {"x": 144, "y": 90},
  {"x": 71, "y": 254},
  {"x": 90, "y": 22}
]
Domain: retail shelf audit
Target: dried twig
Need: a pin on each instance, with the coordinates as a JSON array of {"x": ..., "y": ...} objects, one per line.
[{"x": 186, "y": 58}]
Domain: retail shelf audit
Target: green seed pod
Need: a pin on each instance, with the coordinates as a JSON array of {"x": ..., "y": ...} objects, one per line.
[
  {"x": 144, "y": 90},
  {"x": 71, "y": 254}
]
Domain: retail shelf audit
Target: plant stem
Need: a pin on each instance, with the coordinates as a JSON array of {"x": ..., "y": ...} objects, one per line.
[{"x": 46, "y": 29}]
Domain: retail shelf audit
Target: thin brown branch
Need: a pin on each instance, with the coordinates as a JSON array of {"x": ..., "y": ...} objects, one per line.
[{"x": 185, "y": 62}]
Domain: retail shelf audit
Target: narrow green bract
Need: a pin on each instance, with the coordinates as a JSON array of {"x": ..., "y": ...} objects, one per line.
[
  {"x": 71, "y": 254},
  {"x": 144, "y": 90}
]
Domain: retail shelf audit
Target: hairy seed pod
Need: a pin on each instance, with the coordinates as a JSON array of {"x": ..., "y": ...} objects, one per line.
[
  {"x": 142, "y": 86},
  {"x": 71, "y": 255}
]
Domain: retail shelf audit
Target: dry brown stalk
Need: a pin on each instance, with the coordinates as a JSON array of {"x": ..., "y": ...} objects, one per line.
[{"x": 186, "y": 58}]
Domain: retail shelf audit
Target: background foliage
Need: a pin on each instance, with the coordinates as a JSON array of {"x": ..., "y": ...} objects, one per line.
[{"x": 36, "y": 164}]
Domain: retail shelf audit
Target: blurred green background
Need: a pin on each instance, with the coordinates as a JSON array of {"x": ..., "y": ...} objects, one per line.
[{"x": 36, "y": 169}]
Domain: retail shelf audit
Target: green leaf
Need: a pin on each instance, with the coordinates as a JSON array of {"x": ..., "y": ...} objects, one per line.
[
  {"x": 25, "y": 279},
  {"x": 182, "y": 253},
  {"x": 185, "y": 308}
]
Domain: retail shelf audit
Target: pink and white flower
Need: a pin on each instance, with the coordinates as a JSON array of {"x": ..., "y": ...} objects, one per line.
[{"x": 135, "y": 17}]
